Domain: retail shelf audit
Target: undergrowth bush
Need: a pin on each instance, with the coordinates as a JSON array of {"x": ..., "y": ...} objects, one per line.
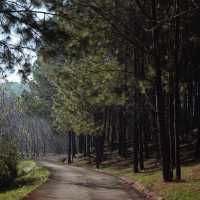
[{"x": 8, "y": 162}]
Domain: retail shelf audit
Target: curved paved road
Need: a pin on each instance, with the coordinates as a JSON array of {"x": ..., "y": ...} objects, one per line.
[{"x": 74, "y": 183}]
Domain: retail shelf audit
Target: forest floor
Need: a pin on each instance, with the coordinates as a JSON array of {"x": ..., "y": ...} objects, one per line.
[
  {"x": 151, "y": 177},
  {"x": 76, "y": 183},
  {"x": 30, "y": 176}
]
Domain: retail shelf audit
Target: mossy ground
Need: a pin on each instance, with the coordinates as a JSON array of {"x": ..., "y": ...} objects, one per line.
[
  {"x": 151, "y": 177},
  {"x": 30, "y": 176}
]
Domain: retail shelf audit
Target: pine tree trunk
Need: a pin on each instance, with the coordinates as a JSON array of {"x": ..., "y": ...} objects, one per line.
[
  {"x": 135, "y": 149},
  {"x": 164, "y": 136},
  {"x": 84, "y": 145},
  {"x": 121, "y": 133},
  {"x": 171, "y": 117},
  {"x": 74, "y": 149},
  {"x": 113, "y": 131},
  {"x": 69, "y": 147},
  {"x": 146, "y": 145},
  {"x": 98, "y": 151},
  {"x": 141, "y": 149},
  {"x": 80, "y": 143},
  {"x": 177, "y": 96},
  {"x": 109, "y": 125}
]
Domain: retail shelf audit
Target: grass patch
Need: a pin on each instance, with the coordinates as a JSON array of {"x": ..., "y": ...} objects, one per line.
[
  {"x": 187, "y": 189},
  {"x": 30, "y": 176}
]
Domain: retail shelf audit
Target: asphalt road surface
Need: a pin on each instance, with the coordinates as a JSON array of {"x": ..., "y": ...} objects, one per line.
[{"x": 74, "y": 183}]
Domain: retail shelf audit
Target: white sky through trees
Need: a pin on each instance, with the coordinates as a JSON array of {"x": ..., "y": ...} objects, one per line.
[{"x": 13, "y": 75}]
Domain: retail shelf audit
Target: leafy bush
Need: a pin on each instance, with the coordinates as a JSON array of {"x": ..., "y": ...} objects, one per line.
[{"x": 8, "y": 162}]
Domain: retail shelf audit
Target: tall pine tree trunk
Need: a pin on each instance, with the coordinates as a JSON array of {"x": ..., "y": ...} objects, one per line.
[
  {"x": 164, "y": 136},
  {"x": 177, "y": 95},
  {"x": 69, "y": 147},
  {"x": 171, "y": 117}
]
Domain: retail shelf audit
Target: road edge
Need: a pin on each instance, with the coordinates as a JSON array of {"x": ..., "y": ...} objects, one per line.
[{"x": 136, "y": 185}]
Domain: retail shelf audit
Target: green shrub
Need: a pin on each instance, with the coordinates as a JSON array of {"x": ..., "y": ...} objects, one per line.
[{"x": 8, "y": 162}]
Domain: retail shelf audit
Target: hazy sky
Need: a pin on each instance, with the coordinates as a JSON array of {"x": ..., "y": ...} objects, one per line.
[{"x": 14, "y": 77}]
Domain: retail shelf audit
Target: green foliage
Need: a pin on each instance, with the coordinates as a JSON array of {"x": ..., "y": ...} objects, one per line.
[
  {"x": 8, "y": 162},
  {"x": 30, "y": 176},
  {"x": 83, "y": 88},
  {"x": 78, "y": 71},
  {"x": 84, "y": 78}
]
